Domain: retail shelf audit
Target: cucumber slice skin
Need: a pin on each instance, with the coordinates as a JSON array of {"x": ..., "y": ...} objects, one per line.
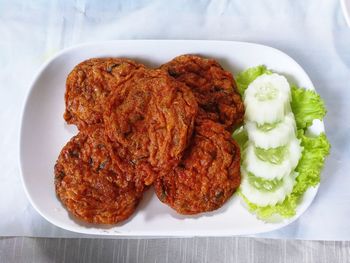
[
  {"x": 276, "y": 137},
  {"x": 263, "y": 198},
  {"x": 268, "y": 170}
]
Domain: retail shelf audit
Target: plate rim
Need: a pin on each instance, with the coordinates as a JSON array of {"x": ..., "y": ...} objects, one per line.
[{"x": 313, "y": 190}]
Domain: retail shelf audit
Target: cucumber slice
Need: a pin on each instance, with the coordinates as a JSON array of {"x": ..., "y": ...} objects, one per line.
[
  {"x": 295, "y": 152},
  {"x": 272, "y": 135},
  {"x": 262, "y": 184},
  {"x": 270, "y": 170},
  {"x": 272, "y": 155},
  {"x": 264, "y": 198},
  {"x": 263, "y": 169},
  {"x": 267, "y": 126},
  {"x": 267, "y": 99}
]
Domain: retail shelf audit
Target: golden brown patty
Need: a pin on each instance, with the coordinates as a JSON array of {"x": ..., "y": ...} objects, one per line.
[
  {"x": 213, "y": 87},
  {"x": 151, "y": 116},
  {"x": 208, "y": 174},
  {"x": 90, "y": 182},
  {"x": 90, "y": 83}
]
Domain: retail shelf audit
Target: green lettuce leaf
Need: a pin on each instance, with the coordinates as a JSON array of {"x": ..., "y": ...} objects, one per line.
[
  {"x": 307, "y": 106},
  {"x": 309, "y": 169},
  {"x": 244, "y": 78},
  {"x": 312, "y": 160},
  {"x": 240, "y": 135}
]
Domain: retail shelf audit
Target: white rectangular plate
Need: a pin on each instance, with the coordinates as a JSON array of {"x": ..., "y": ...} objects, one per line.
[{"x": 44, "y": 133}]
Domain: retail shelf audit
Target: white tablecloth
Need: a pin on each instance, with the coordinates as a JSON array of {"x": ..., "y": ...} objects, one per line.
[{"x": 313, "y": 32}]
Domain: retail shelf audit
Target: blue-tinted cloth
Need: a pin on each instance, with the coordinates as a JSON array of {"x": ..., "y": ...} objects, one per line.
[{"x": 313, "y": 32}]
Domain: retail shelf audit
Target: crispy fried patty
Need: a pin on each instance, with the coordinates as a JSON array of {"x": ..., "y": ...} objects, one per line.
[
  {"x": 208, "y": 174},
  {"x": 89, "y": 85},
  {"x": 90, "y": 182},
  {"x": 151, "y": 116},
  {"x": 213, "y": 87},
  {"x": 169, "y": 127}
]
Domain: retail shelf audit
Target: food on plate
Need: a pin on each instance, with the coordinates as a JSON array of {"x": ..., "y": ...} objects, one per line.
[
  {"x": 151, "y": 116},
  {"x": 208, "y": 174},
  {"x": 268, "y": 173},
  {"x": 89, "y": 85},
  {"x": 90, "y": 183},
  {"x": 267, "y": 99},
  {"x": 307, "y": 106},
  {"x": 272, "y": 135},
  {"x": 213, "y": 87},
  {"x": 274, "y": 162},
  {"x": 139, "y": 126},
  {"x": 280, "y": 159},
  {"x": 171, "y": 128},
  {"x": 266, "y": 192}
]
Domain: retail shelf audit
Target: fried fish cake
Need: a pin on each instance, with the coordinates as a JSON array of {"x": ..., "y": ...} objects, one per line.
[
  {"x": 151, "y": 116},
  {"x": 208, "y": 174},
  {"x": 213, "y": 87},
  {"x": 90, "y": 183},
  {"x": 90, "y": 83}
]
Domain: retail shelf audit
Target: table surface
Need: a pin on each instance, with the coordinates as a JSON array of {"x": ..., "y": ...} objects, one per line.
[
  {"x": 313, "y": 32},
  {"x": 248, "y": 250}
]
